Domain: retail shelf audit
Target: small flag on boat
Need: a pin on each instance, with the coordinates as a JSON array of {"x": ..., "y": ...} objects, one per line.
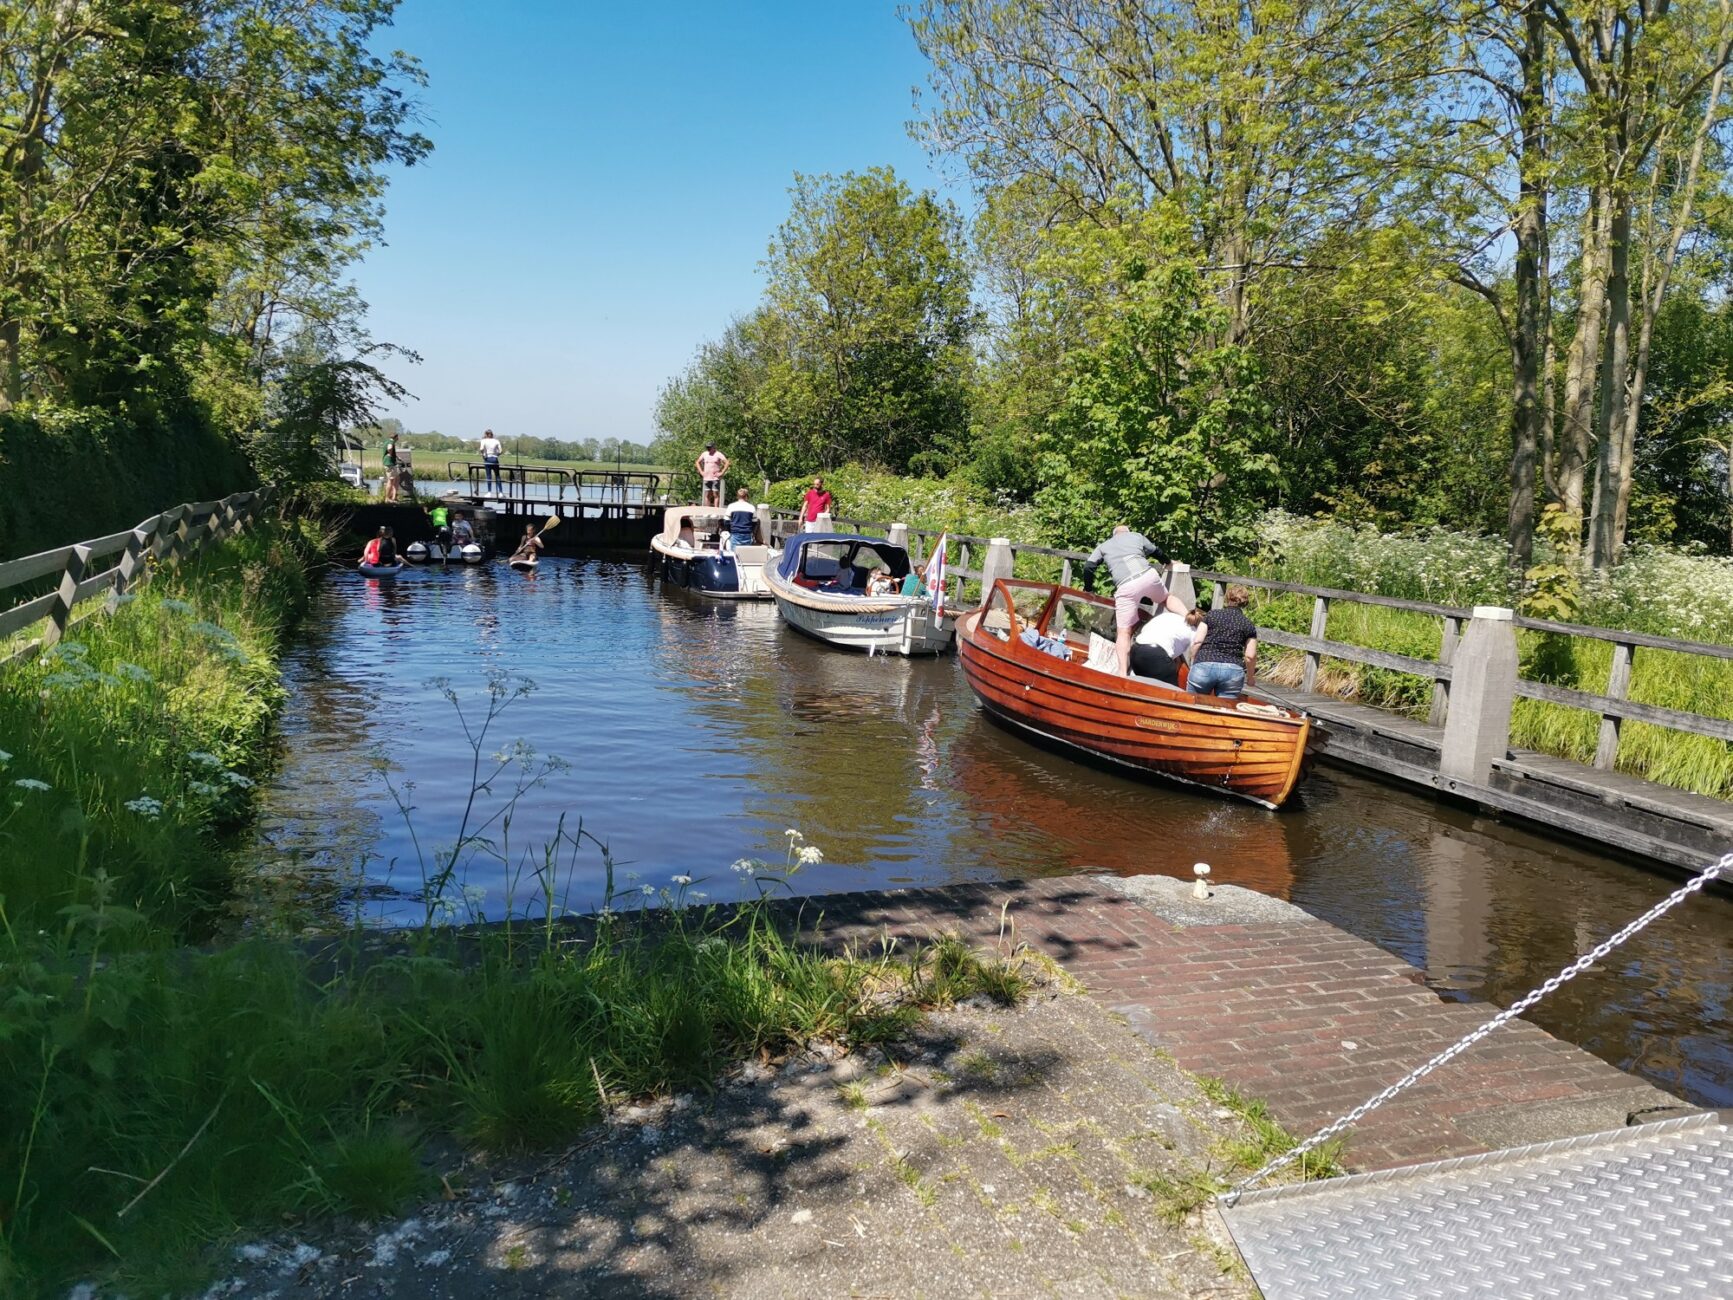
[{"x": 934, "y": 574}]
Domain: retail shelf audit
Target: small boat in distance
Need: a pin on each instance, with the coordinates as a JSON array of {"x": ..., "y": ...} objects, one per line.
[
  {"x": 692, "y": 554},
  {"x": 1249, "y": 748},
  {"x": 381, "y": 570},
  {"x": 820, "y": 584}
]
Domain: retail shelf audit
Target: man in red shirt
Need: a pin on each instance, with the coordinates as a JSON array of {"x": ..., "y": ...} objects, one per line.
[
  {"x": 712, "y": 465},
  {"x": 818, "y": 502}
]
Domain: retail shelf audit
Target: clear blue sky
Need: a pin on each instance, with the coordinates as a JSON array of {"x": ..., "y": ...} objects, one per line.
[{"x": 603, "y": 184}]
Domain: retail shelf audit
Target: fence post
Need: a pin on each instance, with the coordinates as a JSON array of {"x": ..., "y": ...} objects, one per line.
[
  {"x": 823, "y": 524},
  {"x": 962, "y": 563},
  {"x": 1441, "y": 685},
  {"x": 1320, "y": 629},
  {"x": 898, "y": 536},
  {"x": 1065, "y": 571},
  {"x": 1179, "y": 583},
  {"x": 61, "y": 610},
  {"x": 137, "y": 546},
  {"x": 999, "y": 562},
  {"x": 765, "y": 524},
  {"x": 1618, "y": 685},
  {"x": 1483, "y": 677}
]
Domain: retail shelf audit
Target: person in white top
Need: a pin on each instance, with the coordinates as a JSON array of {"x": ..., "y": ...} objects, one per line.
[
  {"x": 491, "y": 449},
  {"x": 1160, "y": 647}
]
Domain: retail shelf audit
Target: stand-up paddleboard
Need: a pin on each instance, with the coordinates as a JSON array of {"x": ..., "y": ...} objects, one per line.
[{"x": 381, "y": 570}]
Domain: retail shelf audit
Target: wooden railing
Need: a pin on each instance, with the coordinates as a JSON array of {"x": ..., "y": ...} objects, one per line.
[
  {"x": 132, "y": 557},
  {"x": 1613, "y": 707}
]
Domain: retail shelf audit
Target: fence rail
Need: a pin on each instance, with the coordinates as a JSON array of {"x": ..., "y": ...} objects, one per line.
[
  {"x": 1613, "y": 707},
  {"x": 163, "y": 539}
]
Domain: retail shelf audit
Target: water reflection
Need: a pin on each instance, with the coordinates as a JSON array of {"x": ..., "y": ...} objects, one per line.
[{"x": 698, "y": 731}]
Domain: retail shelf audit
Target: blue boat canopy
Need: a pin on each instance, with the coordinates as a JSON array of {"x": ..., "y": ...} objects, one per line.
[{"x": 821, "y": 557}]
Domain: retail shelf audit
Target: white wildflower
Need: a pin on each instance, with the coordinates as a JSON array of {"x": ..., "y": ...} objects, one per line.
[
  {"x": 682, "y": 880},
  {"x": 744, "y": 866},
  {"x": 698, "y": 896},
  {"x": 31, "y": 783},
  {"x": 649, "y": 891},
  {"x": 794, "y": 836},
  {"x": 236, "y": 779},
  {"x": 144, "y": 806},
  {"x": 204, "y": 759},
  {"x": 4, "y": 757},
  {"x": 205, "y": 788},
  {"x": 475, "y": 895},
  {"x": 810, "y": 855},
  {"x": 177, "y": 606},
  {"x": 133, "y": 672}
]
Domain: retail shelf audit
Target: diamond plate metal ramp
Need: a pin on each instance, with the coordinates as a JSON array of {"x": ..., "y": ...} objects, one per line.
[{"x": 1645, "y": 1211}]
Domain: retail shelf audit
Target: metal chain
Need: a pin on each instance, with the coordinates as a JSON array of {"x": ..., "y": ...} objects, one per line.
[{"x": 1504, "y": 1017}]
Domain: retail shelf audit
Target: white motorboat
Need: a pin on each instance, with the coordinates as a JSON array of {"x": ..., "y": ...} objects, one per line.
[
  {"x": 821, "y": 585},
  {"x": 694, "y": 555}
]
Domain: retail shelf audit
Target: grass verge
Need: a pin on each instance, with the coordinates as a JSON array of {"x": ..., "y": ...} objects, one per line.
[
  {"x": 129, "y": 749},
  {"x": 154, "y": 1103}
]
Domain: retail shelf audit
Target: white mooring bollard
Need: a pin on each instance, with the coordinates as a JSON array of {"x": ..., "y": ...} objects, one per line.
[{"x": 1200, "y": 885}]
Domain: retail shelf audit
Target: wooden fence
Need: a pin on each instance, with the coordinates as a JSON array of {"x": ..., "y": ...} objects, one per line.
[
  {"x": 108, "y": 567},
  {"x": 1049, "y": 563}
]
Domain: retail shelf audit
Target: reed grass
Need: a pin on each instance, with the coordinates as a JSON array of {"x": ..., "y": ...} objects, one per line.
[{"x": 1663, "y": 593}]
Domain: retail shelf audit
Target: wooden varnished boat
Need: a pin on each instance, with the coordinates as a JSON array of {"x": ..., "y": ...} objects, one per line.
[{"x": 1250, "y": 748}]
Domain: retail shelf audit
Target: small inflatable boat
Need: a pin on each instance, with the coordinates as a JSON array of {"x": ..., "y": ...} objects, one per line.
[
  {"x": 381, "y": 570},
  {"x": 433, "y": 552}
]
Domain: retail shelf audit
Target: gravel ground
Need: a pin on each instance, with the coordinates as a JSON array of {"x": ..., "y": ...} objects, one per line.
[{"x": 1044, "y": 1150}]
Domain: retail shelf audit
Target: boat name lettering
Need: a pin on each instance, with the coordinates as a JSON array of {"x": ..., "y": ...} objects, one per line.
[{"x": 1156, "y": 724}]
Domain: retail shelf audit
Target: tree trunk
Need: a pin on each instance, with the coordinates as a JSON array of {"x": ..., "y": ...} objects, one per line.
[
  {"x": 1610, "y": 414},
  {"x": 11, "y": 364},
  {"x": 1527, "y": 345},
  {"x": 1575, "y": 436},
  {"x": 1654, "y": 295}
]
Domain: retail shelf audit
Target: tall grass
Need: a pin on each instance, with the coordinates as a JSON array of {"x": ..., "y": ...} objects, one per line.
[
  {"x": 128, "y": 749},
  {"x": 1665, "y": 593}
]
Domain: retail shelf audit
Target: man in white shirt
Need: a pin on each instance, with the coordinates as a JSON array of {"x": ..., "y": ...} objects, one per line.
[
  {"x": 491, "y": 449},
  {"x": 1160, "y": 647}
]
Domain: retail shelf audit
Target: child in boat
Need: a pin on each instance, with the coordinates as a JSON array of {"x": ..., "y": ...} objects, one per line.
[
  {"x": 382, "y": 550},
  {"x": 527, "y": 548}
]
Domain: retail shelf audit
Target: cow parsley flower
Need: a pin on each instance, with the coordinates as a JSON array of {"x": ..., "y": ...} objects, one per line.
[
  {"x": 649, "y": 891},
  {"x": 236, "y": 779},
  {"x": 744, "y": 866},
  {"x": 205, "y": 758},
  {"x": 811, "y": 855},
  {"x": 133, "y": 673},
  {"x": 144, "y": 806},
  {"x": 205, "y": 788},
  {"x": 31, "y": 783},
  {"x": 682, "y": 880},
  {"x": 5, "y": 758}
]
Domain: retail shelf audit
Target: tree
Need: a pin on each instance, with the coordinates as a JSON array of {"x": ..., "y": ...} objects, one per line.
[
  {"x": 1163, "y": 426},
  {"x": 870, "y": 320},
  {"x": 1261, "y": 126}
]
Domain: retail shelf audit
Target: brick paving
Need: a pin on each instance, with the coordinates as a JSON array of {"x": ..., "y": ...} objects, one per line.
[{"x": 1296, "y": 1012}]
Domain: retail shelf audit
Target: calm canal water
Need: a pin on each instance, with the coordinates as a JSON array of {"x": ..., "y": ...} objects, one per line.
[{"x": 697, "y": 733}]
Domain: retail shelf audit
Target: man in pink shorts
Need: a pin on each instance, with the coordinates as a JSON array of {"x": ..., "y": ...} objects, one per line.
[{"x": 1127, "y": 556}]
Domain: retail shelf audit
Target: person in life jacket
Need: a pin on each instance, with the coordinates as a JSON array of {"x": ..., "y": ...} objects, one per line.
[{"x": 382, "y": 550}]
